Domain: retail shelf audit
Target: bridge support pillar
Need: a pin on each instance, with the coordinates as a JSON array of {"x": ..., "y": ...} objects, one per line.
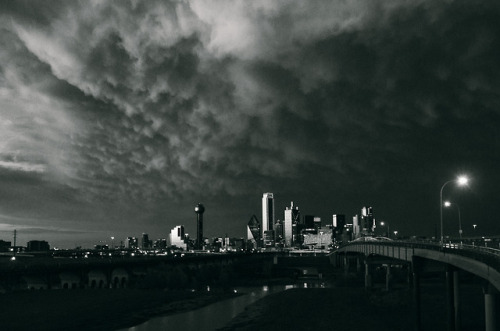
[
  {"x": 450, "y": 303},
  {"x": 368, "y": 276},
  {"x": 416, "y": 299},
  {"x": 456, "y": 296},
  {"x": 490, "y": 308},
  {"x": 452, "y": 299},
  {"x": 388, "y": 278}
]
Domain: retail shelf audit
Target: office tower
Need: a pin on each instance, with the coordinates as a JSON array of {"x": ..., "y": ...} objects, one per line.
[
  {"x": 339, "y": 222},
  {"x": 268, "y": 238},
  {"x": 338, "y": 226},
  {"x": 355, "y": 227},
  {"x": 145, "y": 244},
  {"x": 292, "y": 216},
  {"x": 309, "y": 222},
  {"x": 253, "y": 231},
  {"x": 267, "y": 213},
  {"x": 367, "y": 223},
  {"x": 177, "y": 237},
  {"x": 278, "y": 232},
  {"x": 132, "y": 242},
  {"x": 199, "y": 210}
]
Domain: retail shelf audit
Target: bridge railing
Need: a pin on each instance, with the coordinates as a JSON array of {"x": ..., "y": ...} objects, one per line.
[{"x": 486, "y": 255}]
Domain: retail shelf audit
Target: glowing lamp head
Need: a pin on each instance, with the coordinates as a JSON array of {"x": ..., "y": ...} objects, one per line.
[
  {"x": 447, "y": 203},
  {"x": 462, "y": 180}
]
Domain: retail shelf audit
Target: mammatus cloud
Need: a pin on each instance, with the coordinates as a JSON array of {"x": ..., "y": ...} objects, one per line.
[{"x": 159, "y": 99}]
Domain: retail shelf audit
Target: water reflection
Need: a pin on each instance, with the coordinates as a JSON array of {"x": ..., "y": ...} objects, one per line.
[{"x": 218, "y": 314}]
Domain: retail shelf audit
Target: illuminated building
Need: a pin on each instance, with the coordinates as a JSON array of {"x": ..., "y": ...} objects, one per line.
[
  {"x": 267, "y": 213},
  {"x": 367, "y": 222},
  {"x": 132, "y": 242},
  {"x": 253, "y": 231},
  {"x": 356, "y": 233},
  {"x": 292, "y": 217},
  {"x": 177, "y": 237}
]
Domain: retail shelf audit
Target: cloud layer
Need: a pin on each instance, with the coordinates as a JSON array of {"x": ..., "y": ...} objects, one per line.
[{"x": 118, "y": 102}]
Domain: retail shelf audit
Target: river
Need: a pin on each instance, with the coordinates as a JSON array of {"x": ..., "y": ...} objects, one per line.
[{"x": 213, "y": 316}]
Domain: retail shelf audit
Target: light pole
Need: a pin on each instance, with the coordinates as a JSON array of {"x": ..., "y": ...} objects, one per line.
[
  {"x": 461, "y": 181},
  {"x": 448, "y": 204}
]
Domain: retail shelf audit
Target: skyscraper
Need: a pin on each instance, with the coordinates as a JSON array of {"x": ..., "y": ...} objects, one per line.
[
  {"x": 145, "y": 242},
  {"x": 292, "y": 216},
  {"x": 267, "y": 212},
  {"x": 177, "y": 237},
  {"x": 367, "y": 223},
  {"x": 253, "y": 231}
]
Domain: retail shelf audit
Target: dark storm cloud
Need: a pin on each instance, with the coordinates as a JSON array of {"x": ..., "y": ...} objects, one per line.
[{"x": 117, "y": 101}]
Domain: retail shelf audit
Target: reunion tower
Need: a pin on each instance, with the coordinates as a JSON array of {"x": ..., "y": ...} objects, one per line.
[{"x": 199, "y": 210}]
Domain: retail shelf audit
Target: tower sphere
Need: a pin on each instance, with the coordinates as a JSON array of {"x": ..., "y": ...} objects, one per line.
[{"x": 199, "y": 209}]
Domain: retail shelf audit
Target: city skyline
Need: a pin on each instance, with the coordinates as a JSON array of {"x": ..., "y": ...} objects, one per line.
[{"x": 117, "y": 118}]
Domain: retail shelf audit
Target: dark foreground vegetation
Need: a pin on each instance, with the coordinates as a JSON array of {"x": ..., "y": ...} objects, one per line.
[{"x": 99, "y": 309}]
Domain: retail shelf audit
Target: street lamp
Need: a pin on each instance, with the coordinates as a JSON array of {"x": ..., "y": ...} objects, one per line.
[
  {"x": 395, "y": 234},
  {"x": 461, "y": 181},
  {"x": 448, "y": 204}
]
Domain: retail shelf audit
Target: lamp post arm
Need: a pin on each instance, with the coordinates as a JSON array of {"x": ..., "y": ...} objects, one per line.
[
  {"x": 459, "y": 224},
  {"x": 441, "y": 207}
]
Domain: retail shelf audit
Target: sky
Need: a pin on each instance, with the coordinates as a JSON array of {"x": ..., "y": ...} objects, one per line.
[{"x": 118, "y": 117}]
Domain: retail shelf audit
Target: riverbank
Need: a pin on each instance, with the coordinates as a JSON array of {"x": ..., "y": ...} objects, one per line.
[
  {"x": 325, "y": 309},
  {"x": 348, "y": 308},
  {"x": 97, "y": 309}
]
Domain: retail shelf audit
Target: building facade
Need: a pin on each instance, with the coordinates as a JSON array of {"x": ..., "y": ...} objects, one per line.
[
  {"x": 37, "y": 245},
  {"x": 292, "y": 218},
  {"x": 177, "y": 237},
  {"x": 267, "y": 213},
  {"x": 253, "y": 232},
  {"x": 367, "y": 222},
  {"x": 132, "y": 243}
]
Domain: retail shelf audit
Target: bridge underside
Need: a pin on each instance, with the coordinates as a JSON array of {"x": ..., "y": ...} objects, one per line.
[{"x": 422, "y": 262}]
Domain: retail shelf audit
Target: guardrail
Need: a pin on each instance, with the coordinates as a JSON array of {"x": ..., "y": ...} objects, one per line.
[{"x": 486, "y": 255}]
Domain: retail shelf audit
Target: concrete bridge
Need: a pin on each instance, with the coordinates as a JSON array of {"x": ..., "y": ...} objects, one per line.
[{"x": 421, "y": 258}]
